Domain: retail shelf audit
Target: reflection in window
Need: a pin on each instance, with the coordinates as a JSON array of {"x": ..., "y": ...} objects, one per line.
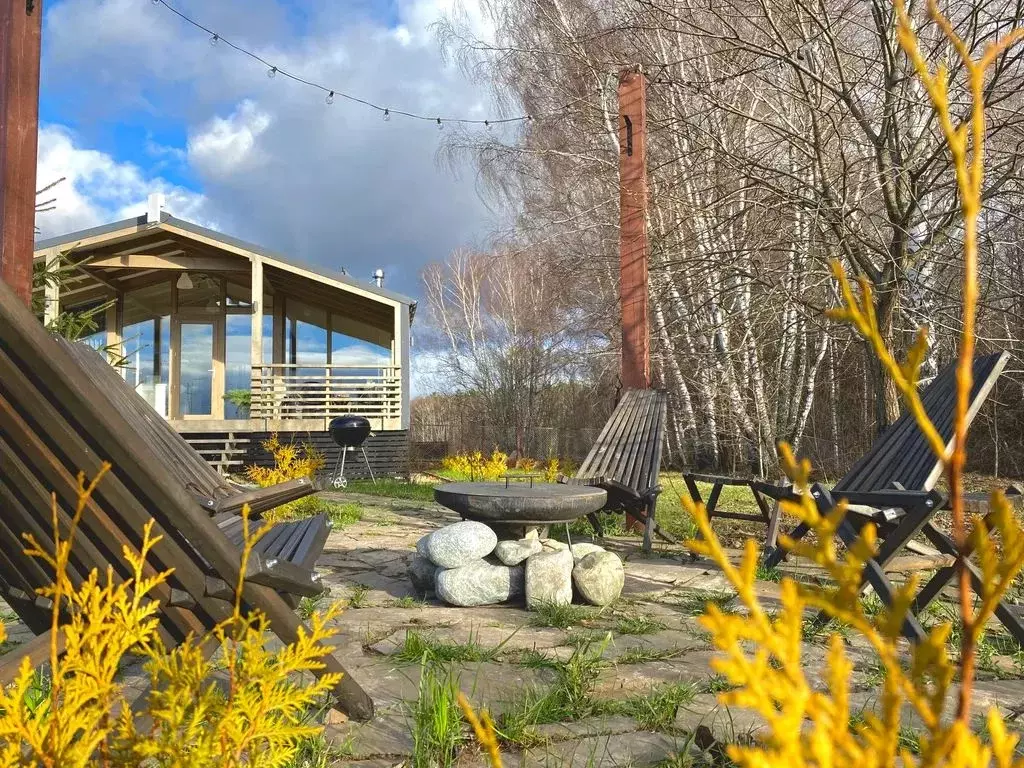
[
  {"x": 196, "y": 386},
  {"x": 236, "y": 362},
  {"x": 146, "y": 342}
]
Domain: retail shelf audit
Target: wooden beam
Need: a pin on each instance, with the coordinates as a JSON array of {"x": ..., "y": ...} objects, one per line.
[
  {"x": 20, "y": 34},
  {"x": 151, "y": 261},
  {"x": 636, "y": 340}
]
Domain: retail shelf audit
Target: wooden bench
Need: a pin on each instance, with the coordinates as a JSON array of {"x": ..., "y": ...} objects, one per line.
[
  {"x": 56, "y": 420},
  {"x": 626, "y": 459}
]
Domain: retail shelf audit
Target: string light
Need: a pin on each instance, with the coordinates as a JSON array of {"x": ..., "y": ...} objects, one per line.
[{"x": 331, "y": 94}]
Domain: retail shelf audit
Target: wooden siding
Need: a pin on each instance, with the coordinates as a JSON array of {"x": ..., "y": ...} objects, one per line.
[{"x": 388, "y": 452}]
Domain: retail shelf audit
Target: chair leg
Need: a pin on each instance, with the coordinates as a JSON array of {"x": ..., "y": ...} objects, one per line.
[
  {"x": 649, "y": 523},
  {"x": 935, "y": 585},
  {"x": 595, "y": 523},
  {"x": 777, "y": 554}
]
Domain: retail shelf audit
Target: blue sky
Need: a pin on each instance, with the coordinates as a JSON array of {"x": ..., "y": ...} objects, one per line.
[{"x": 135, "y": 101}]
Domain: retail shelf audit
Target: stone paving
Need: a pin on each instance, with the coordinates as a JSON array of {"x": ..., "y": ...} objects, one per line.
[
  {"x": 655, "y": 644},
  {"x": 645, "y": 648}
]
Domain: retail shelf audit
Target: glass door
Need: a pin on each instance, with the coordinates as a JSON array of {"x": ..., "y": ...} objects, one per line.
[{"x": 199, "y": 387}]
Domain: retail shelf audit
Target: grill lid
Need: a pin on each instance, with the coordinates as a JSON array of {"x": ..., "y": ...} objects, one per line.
[{"x": 349, "y": 431}]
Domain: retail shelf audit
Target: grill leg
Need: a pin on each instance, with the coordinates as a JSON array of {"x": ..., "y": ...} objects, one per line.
[{"x": 363, "y": 451}]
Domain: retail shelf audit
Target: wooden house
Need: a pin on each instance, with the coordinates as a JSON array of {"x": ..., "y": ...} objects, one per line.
[{"x": 230, "y": 342}]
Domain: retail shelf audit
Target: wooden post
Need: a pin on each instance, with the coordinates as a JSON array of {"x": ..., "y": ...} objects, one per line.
[
  {"x": 256, "y": 379},
  {"x": 20, "y": 33},
  {"x": 401, "y": 358},
  {"x": 51, "y": 308},
  {"x": 636, "y": 337}
]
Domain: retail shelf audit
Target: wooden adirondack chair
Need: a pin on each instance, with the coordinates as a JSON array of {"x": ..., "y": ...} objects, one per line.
[
  {"x": 54, "y": 421},
  {"x": 626, "y": 459},
  {"x": 893, "y": 487}
]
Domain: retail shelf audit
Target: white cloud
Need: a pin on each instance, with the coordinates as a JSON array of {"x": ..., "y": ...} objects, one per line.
[
  {"x": 226, "y": 146},
  {"x": 332, "y": 185},
  {"x": 97, "y": 188}
]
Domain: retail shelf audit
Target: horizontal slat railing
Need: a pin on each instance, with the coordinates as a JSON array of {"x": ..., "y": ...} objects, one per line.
[{"x": 296, "y": 391}]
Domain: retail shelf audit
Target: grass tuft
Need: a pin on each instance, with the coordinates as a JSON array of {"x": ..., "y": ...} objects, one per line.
[
  {"x": 656, "y": 709},
  {"x": 418, "y": 647},
  {"x": 560, "y": 615},
  {"x": 695, "y": 603},
  {"x": 358, "y": 597},
  {"x": 639, "y": 624},
  {"x": 436, "y": 719}
]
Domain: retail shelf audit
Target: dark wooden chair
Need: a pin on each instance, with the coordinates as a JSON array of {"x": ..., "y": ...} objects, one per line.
[
  {"x": 893, "y": 487},
  {"x": 626, "y": 459},
  {"x": 211, "y": 489},
  {"x": 54, "y": 421}
]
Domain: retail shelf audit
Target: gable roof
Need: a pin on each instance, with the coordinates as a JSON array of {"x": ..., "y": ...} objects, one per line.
[{"x": 126, "y": 228}]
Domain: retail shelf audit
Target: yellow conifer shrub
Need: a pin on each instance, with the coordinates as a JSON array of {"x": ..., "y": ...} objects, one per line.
[{"x": 249, "y": 708}]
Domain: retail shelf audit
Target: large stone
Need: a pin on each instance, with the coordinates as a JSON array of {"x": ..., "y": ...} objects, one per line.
[
  {"x": 553, "y": 545},
  {"x": 584, "y": 548},
  {"x": 421, "y": 573},
  {"x": 549, "y": 578},
  {"x": 421, "y": 545},
  {"x": 515, "y": 551},
  {"x": 599, "y": 577},
  {"x": 479, "y": 583},
  {"x": 460, "y": 544}
]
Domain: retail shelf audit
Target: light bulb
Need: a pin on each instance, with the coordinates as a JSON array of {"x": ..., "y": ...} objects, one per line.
[
  {"x": 330, "y": 98},
  {"x": 214, "y": 39},
  {"x": 387, "y": 115},
  {"x": 440, "y": 125},
  {"x": 272, "y": 71}
]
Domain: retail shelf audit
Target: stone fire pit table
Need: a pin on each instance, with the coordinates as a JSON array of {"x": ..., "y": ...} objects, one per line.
[{"x": 513, "y": 508}]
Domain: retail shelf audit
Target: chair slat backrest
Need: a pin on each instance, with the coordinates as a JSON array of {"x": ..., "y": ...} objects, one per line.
[
  {"x": 902, "y": 454},
  {"x": 628, "y": 449}
]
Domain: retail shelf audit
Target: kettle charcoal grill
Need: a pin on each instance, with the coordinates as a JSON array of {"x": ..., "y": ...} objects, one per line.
[{"x": 349, "y": 432}]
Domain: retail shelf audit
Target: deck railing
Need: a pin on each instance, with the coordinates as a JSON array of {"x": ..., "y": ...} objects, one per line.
[{"x": 296, "y": 391}]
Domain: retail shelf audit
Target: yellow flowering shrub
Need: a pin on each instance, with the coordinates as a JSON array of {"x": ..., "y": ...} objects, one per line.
[
  {"x": 249, "y": 709},
  {"x": 476, "y": 466},
  {"x": 291, "y": 462}
]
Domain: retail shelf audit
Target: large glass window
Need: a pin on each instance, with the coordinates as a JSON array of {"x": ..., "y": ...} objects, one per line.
[
  {"x": 195, "y": 395},
  {"x": 306, "y": 336},
  {"x": 238, "y": 350},
  {"x": 146, "y": 342},
  {"x": 353, "y": 351}
]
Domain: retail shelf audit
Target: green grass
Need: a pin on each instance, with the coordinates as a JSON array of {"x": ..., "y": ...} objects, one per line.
[
  {"x": 656, "y": 709},
  {"x": 407, "y": 602},
  {"x": 418, "y": 646},
  {"x": 342, "y": 513},
  {"x": 639, "y": 624},
  {"x": 317, "y": 752},
  {"x": 641, "y": 655},
  {"x": 358, "y": 596},
  {"x": 436, "y": 719},
  {"x": 872, "y": 604},
  {"x": 531, "y": 658},
  {"x": 560, "y": 616},
  {"x": 569, "y": 698},
  {"x": 813, "y": 630},
  {"x": 695, "y": 603},
  {"x": 766, "y": 573},
  {"x": 715, "y": 684},
  {"x": 310, "y": 605},
  {"x": 395, "y": 489}
]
